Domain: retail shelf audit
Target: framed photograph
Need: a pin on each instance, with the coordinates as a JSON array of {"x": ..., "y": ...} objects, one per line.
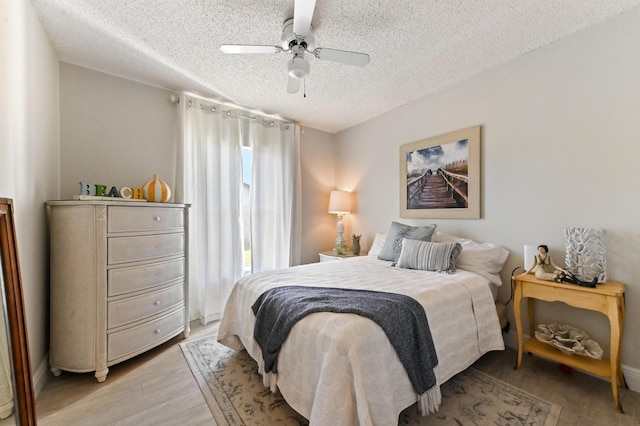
[{"x": 440, "y": 176}]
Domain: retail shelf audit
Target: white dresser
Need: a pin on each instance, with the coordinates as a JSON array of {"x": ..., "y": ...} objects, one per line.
[{"x": 119, "y": 281}]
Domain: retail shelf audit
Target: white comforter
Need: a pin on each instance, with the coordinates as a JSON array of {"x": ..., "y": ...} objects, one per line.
[{"x": 340, "y": 369}]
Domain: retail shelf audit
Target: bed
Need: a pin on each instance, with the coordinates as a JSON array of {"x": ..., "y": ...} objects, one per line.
[{"x": 343, "y": 363}]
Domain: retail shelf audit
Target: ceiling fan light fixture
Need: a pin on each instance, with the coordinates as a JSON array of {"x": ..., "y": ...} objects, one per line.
[
  {"x": 298, "y": 39},
  {"x": 298, "y": 67}
]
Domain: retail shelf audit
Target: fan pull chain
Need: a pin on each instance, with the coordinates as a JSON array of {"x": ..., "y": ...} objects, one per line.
[{"x": 304, "y": 88}]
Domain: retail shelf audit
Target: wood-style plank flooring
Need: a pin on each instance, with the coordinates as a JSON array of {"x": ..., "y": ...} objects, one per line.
[{"x": 157, "y": 388}]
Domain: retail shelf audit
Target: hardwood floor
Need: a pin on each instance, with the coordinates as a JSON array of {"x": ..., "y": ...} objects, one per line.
[{"x": 157, "y": 388}]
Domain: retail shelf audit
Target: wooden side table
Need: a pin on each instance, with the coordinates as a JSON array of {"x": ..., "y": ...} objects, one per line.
[{"x": 607, "y": 298}]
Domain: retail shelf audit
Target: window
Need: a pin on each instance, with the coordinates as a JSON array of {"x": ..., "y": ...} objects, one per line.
[{"x": 246, "y": 206}]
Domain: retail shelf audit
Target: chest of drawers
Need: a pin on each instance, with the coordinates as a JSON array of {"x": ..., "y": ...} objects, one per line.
[{"x": 119, "y": 281}]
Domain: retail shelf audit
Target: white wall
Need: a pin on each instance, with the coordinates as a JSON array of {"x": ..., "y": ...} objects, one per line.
[
  {"x": 29, "y": 153},
  {"x": 560, "y": 148},
  {"x": 318, "y": 174},
  {"x": 114, "y": 132}
]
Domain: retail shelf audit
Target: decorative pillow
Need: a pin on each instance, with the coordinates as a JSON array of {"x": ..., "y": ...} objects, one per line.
[
  {"x": 378, "y": 242},
  {"x": 486, "y": 259},
  {"x": 427, "y": 256},
  {"x": 397, "y": 231}
]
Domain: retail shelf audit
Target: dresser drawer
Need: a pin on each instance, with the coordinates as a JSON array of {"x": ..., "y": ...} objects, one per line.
[
  {"x": 127, "y": 280},
  {"x": 127, "y": 343},
  {"x": 133, "y": 249},
  {"x": 131, "y": 309},
  {"x": 137, "y": 219}
]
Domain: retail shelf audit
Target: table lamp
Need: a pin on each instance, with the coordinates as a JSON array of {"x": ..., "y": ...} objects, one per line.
[
  {"x": 530, "y": 251},
  {"x": 340, "y": 204}
]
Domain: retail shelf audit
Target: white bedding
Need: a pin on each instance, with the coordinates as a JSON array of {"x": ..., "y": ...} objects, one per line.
[{"x": 340, "y": 369}]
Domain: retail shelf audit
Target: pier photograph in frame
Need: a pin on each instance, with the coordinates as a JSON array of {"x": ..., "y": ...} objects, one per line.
[{"x": 440, "y": 176}]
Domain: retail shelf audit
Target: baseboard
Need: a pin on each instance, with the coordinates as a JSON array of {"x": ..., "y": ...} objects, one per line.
[
  {"x": 631, "y": 375},
  {"x": 41, "y": 375}
]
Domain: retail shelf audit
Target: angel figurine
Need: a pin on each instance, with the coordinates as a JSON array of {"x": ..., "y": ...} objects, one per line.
[{"x": 545, "y": 269}]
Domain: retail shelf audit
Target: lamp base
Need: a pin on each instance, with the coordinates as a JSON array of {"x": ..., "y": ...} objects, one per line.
[
  {"x": 340, "y": 248},
  {"x": 341, "y": 244}
]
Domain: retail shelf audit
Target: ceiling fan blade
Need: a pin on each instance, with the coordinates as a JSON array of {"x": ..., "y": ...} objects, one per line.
[
  {"x": 342, "y": 56},
  {"x": 243, "y": 48},
  {"x": 302, "y": 15},
  {"x": 293, "y": 85}
]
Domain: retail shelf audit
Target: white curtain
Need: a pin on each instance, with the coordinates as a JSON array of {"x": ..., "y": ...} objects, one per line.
[
  {"x": 209, "y": 177},
  {"x": 275, "y": 196}
]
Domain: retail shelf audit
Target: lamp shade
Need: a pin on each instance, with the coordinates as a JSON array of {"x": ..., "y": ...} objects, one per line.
[
  {"x": 339, "y": 202},
  {"x": 530, "y": 251}
]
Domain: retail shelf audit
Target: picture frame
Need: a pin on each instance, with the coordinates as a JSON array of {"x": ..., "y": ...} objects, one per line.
[
  {"x": 13, "y": 319},
  {"x": 440, "y": 176}
]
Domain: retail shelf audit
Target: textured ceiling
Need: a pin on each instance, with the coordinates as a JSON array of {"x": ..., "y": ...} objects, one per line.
[{"x": 417, "y": 47}]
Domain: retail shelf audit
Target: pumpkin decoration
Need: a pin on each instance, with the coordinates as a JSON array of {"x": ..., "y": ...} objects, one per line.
[{"x": 156, "y": 190}]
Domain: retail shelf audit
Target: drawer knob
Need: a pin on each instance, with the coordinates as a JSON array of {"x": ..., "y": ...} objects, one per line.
[
  {"x": 157, "y": 331},
  {"x": 157, "y": 302},
  {"x": 157, "y": 218}
]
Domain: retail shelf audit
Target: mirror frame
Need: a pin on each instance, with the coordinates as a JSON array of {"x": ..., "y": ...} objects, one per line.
[{"x": 23, "y": 392}]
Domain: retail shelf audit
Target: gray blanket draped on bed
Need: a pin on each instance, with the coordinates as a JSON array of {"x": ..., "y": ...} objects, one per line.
[{"x": 401, "y": 317}]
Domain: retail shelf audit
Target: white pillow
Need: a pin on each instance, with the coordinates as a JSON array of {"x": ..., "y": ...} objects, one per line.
[
  {"x": 486, "y": 259},
  {"x": 377, "y": 245},
  {"x": 441, "y": 237}
]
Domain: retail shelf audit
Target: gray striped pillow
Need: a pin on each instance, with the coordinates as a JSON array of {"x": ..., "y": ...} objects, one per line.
[
  {"x": 428, "y": 256},
  {"x": 397, "y": 231}
]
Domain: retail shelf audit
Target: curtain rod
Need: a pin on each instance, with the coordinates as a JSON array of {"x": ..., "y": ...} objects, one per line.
[{"x": 176, "y": 100}]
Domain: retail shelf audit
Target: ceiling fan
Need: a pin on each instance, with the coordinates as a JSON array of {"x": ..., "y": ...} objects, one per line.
[{"x": 297, "y": 38}]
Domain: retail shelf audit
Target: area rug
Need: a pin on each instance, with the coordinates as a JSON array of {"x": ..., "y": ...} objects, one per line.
[{"x": 233, "y": 389}]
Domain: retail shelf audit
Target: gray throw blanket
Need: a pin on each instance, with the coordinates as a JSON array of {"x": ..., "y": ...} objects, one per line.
[{"x": 401, "y": 317}]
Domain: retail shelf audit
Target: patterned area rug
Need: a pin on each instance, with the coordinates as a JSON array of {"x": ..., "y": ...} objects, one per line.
[{"x": 234, "y": 392}]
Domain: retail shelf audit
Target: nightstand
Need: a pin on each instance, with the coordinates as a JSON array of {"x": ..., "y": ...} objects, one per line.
[
  {"x": 606, "y": 298},
  {"x": 330, "y": 255}
]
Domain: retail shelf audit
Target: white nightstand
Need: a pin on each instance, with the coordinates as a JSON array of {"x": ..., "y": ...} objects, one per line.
[{"x": 329, "y": 255}]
